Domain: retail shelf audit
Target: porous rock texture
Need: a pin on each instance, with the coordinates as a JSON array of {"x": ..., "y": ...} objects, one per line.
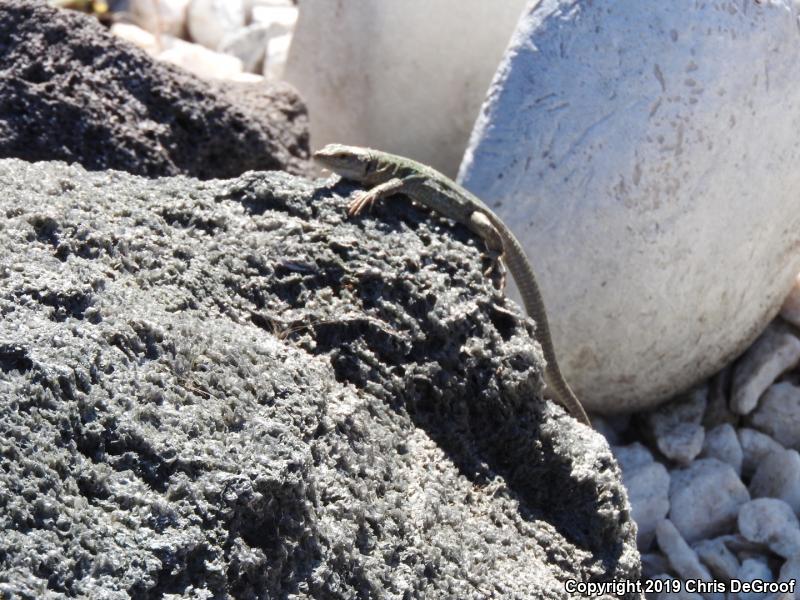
[
  {"x": 69, "y": 90},
  {"x": 229, "y": 389}
]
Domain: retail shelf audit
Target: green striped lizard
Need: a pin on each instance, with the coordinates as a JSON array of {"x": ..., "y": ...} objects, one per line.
[{"x": 387, "y": 174}]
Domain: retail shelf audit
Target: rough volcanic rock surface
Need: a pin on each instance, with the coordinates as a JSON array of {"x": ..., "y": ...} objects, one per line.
[
  {"x": 71, "y": 91},
  {"x": 229, "y": 389}
]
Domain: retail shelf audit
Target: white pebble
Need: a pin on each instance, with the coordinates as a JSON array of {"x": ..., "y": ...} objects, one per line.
[
  {"x": 137, "y": 36},
  {"x": 676, "y": 426},
  {"x": 722, "y": 443},
  {"x": 751, "y": 570},
  {"x": 778, "y": 476},
  {"x": 653, "y": 563},
  {"x": 790, "y": 571},
  {"x": 248, "y": 45},
  {"x": 774, "y": 352},
  {"x": 632, "y": 457},
  {"x": 282, "y": 16},
  {"x": 276, "y": 56},
  {"x": 755, "y": 446},
  {"x": 647, "y": 483},
  {"x": 705, "y": 498},
  {"x": 209, "y": 21},
  {"x": 607, "y": 427},
  {"x": 199, "y": 60},
  {"x": 741, "y": 546},
  {"x": 778, "y": 414},
  {"x": 682, "y": 443},
  {"x": 247, "y": 77},
  {"x": 771, "y": 522},
  {"x": 160, "y": 16},
  {"x": 257, "y": 3},
  {"x": 682, "y": 558},
  {"x": 722, "y": 563}
]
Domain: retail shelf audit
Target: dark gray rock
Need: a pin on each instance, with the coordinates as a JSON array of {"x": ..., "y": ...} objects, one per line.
[
  {"x": 71, "y": 91},
  {"x": 228, "y": 388}
]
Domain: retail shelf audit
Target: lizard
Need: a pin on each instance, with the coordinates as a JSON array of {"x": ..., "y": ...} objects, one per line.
[{"x": 388, "y": 174}]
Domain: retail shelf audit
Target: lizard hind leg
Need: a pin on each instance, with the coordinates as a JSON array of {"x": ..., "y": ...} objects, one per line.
[
  {"x": 500, "y": 267},
  {"x": 480, "y": 224}
]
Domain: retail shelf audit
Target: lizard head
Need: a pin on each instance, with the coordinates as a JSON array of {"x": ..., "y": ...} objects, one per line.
[{"x": 351, "y": 162}]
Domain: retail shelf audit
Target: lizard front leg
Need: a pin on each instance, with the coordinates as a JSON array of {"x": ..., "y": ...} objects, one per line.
[
  {"x": 480, "y": 224},
  {"x": 365, "y": 199}
]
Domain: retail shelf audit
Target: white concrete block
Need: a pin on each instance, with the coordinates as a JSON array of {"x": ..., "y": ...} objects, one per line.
[
  {"x": 405, "y": 76},
  {"x": 645, "y": 153}
]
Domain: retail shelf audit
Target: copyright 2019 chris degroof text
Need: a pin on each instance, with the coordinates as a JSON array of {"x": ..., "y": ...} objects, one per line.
[{"x": 622, "y": 587}]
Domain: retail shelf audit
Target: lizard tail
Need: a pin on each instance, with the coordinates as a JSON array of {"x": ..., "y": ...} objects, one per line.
[{"x": 534, "y": 305}]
